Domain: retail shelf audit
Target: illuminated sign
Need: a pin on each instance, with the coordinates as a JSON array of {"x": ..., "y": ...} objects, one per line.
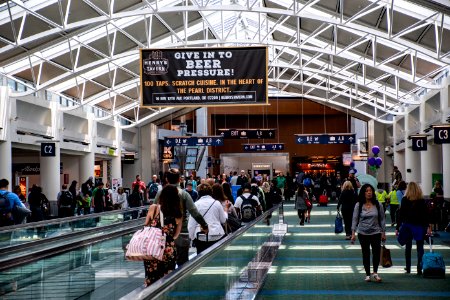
[
  {"x": 332, "y": 138},
  {"x": 204, "y": 76},
  {"x": 247, "y": 133},
  {"x": 193, "y": 141},
  {"x": 262, "y": 147}
]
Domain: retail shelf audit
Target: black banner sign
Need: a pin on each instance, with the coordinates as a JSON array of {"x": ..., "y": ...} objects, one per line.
[
  {"x": 204, "y": 76},
  {"x": 332, "y": 138},
  {"x": 419, "y": 143},
  {"x": 48, "y": 149},
  {"x": 247, "y": 133},
  {"x": 30, "y": 168},
  {"x": 442, "y": 134},
  {"x": 263, "y": 147}
]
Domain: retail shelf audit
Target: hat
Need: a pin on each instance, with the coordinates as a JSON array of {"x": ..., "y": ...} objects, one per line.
[
  {"x": 189, "y": 183},
  {"x": 351, "y": 172}
]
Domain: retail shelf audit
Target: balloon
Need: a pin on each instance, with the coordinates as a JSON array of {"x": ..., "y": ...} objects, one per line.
[
  {"x": 371, "y": 161},
  {"x": 356, "y": 171},
  {"x": 378, "y": 161},
  {"x": 352, "y": 165},
  {"x": 375, "y": 149}
]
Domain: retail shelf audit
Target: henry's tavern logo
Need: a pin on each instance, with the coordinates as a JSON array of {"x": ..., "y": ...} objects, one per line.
[{"x": 155, "y": 64}]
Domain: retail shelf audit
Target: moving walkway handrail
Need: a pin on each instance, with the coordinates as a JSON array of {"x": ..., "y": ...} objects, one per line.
[
  {"x": 68, "y": 235},
  {"x": 67, "y": 219},
  {"x": 72, "y": 243},
  {"x": 158, "y": 288}
]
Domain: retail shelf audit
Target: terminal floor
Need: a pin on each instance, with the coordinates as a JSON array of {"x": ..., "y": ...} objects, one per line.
[{"x": 315, "y": 263}]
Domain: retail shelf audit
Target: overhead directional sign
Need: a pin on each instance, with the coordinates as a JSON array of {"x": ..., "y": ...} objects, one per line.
[
  {"x": 263, "y": 147},
  {"x": 247, "y": 133},
  {"x": 419, "y": 142},
  {"x": 442, "y": 134},
  {"x": 332, "y": 138},
  {"x": 193, "y": 141}
]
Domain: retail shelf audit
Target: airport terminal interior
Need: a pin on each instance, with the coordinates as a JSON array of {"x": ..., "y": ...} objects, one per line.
[{"x": 106, "y": 91}]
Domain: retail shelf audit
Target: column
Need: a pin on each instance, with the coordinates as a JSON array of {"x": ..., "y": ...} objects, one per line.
[
  {"x": 116, "y": 162},
  {"x": 201, "y": 116},
  {"x": 445, "y": 106},
  {"x": 87, "y": 160},
  {"x": 5, "y": 136},
  {"x": 430, "y": 163},
  {"x": 50, "y": 167},
  {"x": 412, "y": 158}
]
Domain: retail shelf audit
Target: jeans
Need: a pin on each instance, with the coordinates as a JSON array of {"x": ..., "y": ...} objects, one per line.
[
  {"x": 183, "y": 243},
  {"x": 420, "y": 251},
  {"x": 347, "y": 216},
  {"x": 366, "y": 242},
  {"x": 394, "y": 208},
  {"x": 301, "y": 215}
]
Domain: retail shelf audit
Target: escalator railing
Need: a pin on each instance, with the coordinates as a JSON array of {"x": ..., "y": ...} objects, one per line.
[
  {"x": 223, "y": 267},
  {"x": 12, "y": 236}
]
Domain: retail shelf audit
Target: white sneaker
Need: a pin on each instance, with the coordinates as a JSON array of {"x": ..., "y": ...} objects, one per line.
[
  {"x": 367, "y": 279},
  {"x": 376, "y": 277}
]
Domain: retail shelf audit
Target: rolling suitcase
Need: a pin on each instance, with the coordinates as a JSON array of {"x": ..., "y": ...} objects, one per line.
[{"x": 433, "y": 264}]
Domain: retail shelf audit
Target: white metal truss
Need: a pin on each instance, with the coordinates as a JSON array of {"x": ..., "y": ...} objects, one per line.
[{"x": 313, "y": 64}]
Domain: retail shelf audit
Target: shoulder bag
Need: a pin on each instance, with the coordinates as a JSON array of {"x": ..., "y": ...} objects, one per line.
[{"x": 148, "y": 243}]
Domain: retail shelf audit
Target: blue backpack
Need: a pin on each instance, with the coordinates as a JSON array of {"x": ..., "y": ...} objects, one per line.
[{"x": 307, "y": 182}]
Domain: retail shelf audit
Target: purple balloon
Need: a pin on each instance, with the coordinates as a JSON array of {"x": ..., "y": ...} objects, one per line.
[
  {"x": 378, "y": 161},
  {"x": 375, "y": 150},
  {"x": 356, "y": 171},
  {"x": 371, "y": 161},
  {"x": 352, "y": 165}
]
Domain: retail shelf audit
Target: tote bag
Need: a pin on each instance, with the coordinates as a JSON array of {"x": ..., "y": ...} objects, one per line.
[
  {"x": 147, "y": 243},
  {"x": 386, "y": 260},
  {"x": 338, "y": 227}
]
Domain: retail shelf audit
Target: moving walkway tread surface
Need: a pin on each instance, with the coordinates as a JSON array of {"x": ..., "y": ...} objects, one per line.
[{"x": 316, "y": 263}]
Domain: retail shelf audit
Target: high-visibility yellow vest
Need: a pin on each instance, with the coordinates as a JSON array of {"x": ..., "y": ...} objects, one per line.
[
  {"x": 393, "y": 197},
  {"x": 381, "y": 196}
]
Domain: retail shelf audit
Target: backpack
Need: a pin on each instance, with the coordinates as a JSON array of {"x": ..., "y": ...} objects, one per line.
[
  {"x": 248, "y": 209},
  {"x": 66, "y": 198},
  {"x": 4, "y": 204},
  {"x": 307, "y": 182},
  {"x": 153, "y": 190}
]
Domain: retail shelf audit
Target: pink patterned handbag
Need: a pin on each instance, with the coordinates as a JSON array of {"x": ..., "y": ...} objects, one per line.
[{"x": 147, "y": 243}]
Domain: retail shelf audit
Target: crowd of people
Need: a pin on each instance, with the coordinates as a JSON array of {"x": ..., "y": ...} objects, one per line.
[{"x": 199, "y": 212}]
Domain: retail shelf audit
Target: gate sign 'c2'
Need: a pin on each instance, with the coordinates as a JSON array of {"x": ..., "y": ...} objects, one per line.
[
  {"x": 48, "y": 149},
  {"x": 204, "y": 76}
]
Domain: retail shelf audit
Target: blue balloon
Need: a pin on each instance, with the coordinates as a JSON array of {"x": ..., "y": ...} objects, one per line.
[
  {"x": 371, "y": 161},
  {"x": 378, "y": 161},
  {"x": 352, "y": 165},
  {"x": 375, "y": 150}
]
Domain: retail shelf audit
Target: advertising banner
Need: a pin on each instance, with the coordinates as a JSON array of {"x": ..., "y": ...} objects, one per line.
[{"x": 204, "y": 76}]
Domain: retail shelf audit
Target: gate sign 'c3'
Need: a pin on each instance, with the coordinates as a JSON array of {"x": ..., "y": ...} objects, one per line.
[
  {"x": 441, "y": 134},
  {"x": 204, "y": 76}
]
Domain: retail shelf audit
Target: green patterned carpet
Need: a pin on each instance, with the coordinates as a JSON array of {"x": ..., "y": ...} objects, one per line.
[{"x": 315, "y": 263}]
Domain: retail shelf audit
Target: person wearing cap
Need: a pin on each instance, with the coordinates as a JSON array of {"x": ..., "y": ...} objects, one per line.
[
  {"x": 190, "y": 189},
  {"x": 355, "y": 182}
]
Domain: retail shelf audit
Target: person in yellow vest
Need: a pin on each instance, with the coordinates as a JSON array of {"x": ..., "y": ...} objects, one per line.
[
  {"x": 381, "y": 196},
  {"x": 393, "y": 205}
]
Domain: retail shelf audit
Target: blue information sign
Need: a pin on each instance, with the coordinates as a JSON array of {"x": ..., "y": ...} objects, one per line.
[
  {"x": 263, "y": 147},
  {"x": 332, "y": 138},
  {"x": 193, "y": 141},
  {"x": 247, "y": 133}
]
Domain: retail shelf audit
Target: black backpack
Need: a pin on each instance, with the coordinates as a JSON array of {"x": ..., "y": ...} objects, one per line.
[
  {"x": 152, "y": 190},
  {"x": 4, "y": 203},
  {"x": 66, "y": 198},
  {"x": 248, "y": 209}
]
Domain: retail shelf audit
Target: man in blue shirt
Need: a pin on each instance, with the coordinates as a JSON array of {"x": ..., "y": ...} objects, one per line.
[{"x": 8, "y": 201}]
